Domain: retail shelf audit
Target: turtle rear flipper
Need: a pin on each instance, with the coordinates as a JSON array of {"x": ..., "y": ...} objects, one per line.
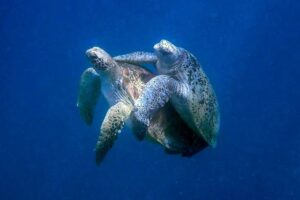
[
  {"x": 89, "y": 90},
  {"x": 110, "y": 128}
]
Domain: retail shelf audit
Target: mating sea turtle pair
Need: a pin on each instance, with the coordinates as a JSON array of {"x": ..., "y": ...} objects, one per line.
[
  {"x": 121, "y": 83},
  {"x": 184, "y": 83}
]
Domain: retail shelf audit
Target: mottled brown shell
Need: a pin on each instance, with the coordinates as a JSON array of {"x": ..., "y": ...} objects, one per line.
[
  {"x": 166, "y": 126},
  {"x": 134, "y": 79}
]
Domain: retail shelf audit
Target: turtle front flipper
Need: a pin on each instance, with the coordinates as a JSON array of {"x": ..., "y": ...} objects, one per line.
[
  {"x": 110, "y": 128},
  {"x": 156, "y": 93},
  {"x": 137, "y": 58},
  {"x": 89, "y": 89}
]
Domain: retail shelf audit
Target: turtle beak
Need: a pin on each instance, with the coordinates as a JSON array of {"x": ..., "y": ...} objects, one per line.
[
  {"x": 94, "y": 57},
  {"x": 156, "y": 47},
  {"x": 100, "y": 59},
  {"x": 163, "y": 48},
  {"x": 91, "y": 55},
  {"x": 158, "y": 50}
]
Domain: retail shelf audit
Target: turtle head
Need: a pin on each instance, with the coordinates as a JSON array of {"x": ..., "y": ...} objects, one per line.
[
  {"x": 100, "y": 59},
  {"x": 166, "y": 52}
]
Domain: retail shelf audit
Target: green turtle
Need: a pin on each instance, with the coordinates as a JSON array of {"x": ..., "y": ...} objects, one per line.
[
  {"x": 121, "y": 84},
  {"x": 183, "y": 82}
]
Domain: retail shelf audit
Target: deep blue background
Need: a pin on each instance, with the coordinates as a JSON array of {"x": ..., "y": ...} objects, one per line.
[{"x": 249, "y": 49}]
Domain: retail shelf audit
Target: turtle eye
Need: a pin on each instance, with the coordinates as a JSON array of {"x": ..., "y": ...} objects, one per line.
[
  {"x": 164, "y": 50},
  {"x": 93, "y": 56}
]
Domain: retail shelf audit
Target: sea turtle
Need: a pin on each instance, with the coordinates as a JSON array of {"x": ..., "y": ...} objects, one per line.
[
  {"x": 183, "y": 82},
  {"x": 121, "y": 84}
]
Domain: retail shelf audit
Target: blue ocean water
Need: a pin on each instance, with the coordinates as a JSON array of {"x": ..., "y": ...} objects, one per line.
[{"x": 249, "y": 49}]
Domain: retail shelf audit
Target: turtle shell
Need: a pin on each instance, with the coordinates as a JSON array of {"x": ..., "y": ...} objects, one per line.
[{"x": 166, "y": 126}]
